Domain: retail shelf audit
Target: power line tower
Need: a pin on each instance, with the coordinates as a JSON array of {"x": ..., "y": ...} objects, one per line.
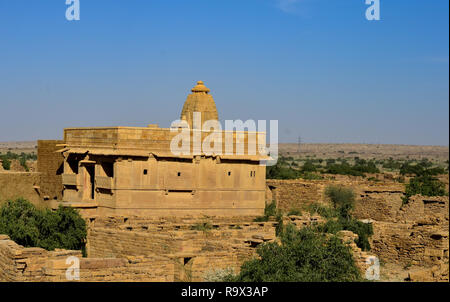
[{"x": 299, "y": 143}]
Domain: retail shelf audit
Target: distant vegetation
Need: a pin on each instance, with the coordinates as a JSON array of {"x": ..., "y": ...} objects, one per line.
[
  {"x": 359, "y": 168},
  {"x": 32, "y": 227},
  {"x": 313, "y": 168},
  {"x": 22, "y": 158}
]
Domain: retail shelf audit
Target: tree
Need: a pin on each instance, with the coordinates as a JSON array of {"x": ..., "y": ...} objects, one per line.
[
  {"x": 303, "y": 256},
  {"x": 28, "y": 226}
]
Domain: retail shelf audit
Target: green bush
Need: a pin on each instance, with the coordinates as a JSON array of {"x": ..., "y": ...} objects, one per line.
[
  {"x": 303, "y": 256},
  {"x": 363, "y": 230},
  {"x": 294, "y": 212},
  {"x": 6, "y": 163},
  {"x": 308, "y": 166},
  {"x": 203, "y": 226},
  {"x": 425, "y": 185},
  {"x": 321, "y": 210},
  {"x": 269, "y": 210},
  {"x": 343, "y": 199},
  {"x": 31, "y": 227},
  {"x": 280, "y": 171},
  {"x": 422, "y": 168}
]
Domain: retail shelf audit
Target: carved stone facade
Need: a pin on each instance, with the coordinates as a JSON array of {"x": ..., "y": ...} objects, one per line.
[{"x": 134, "y": 171}]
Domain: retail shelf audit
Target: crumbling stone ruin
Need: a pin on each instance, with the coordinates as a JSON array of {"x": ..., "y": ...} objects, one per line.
[
  {"x": 156, "y": 216},
  {"x": 412, "y": 236}
]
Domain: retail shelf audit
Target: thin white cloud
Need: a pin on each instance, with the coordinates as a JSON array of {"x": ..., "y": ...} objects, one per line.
[{"x": 287, "y": 6}]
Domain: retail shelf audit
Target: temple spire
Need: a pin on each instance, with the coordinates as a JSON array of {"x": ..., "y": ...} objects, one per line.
[{"x": 199, "y": 101}]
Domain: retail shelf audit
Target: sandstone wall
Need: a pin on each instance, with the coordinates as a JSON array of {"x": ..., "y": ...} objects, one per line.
[
  {"x": 118, "y": 237},
  {"x": 20, "y": 184},
  {"x": 418, "y": 237},
  {"x": 294, "y": 194},
  {"x": 197, "y": 246},
  {"x": 18, "y": 263},
  {"x": 50, "y": 166},
  {"x": 371, "y": 196}
]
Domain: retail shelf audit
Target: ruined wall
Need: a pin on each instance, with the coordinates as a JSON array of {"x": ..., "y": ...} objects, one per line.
[
  {"x": 372, "y": 198},
  {"x": 294, "y": 194},
  {"x": 142, "y": 249},
  {"x": 20, "y": 184},
  {"x": 18, "y": 263},
  {"x": 419, "y": 237},
  {"x": 137, "y": 249},
  {"x": 378, "y": 203},
  {"x": 117, "y": 237},
  {"x": 50, "y": 166}
]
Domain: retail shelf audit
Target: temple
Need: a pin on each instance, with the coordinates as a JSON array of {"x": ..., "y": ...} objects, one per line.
[{"x": 134, "y": 171}]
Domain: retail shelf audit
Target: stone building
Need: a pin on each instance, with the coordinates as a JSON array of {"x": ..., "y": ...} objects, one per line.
[{"x": 132, "y": 170}]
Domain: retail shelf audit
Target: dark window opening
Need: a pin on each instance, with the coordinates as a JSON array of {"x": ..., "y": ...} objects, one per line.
[
  {"x": 73, "y": 164},
  {"x": 229, "y": 173},
  {"x": 108, "y": 167},
  {"x": 145, "y": 171},
  {"x": 179, "y": 174},
  {"x": 179, "y": 191},
  {"x": 186, "y": 260},
  {"x": 91, "y": 171}
]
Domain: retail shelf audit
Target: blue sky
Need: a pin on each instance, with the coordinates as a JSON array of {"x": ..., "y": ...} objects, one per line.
[{"x": 318, "y": 66}]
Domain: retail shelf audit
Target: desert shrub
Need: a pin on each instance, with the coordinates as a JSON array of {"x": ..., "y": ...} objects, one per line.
[
  {"x": 425, "y": 185},
  {"x": 343, "y": 199},
  {"x": 23, "y": 163},
  {"x": 321, "y": 210},
  {"x": 343, "y": 169},
  {"x": 309, "y": 166},
  {"x": 392, "y": 164},
  {"x": 6, "y": 163},
  {"x": 294, "y": 212},
  {"x": 304, "y": 255},
  {"x": 31, "y": 227},
  {"x": 363, "y": 230},
  {"x": 360, "y": 167},
  {"x": 279, "y": 171},
  {"x": 364, "y": 166},
  {"x": 269, "y": 210},
  {"x": 202, "y": 226},
  {"x": 422, "y": 168}
]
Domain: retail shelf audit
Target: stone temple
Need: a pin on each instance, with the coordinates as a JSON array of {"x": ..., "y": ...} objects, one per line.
[{"x": 132, "y": 170}]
